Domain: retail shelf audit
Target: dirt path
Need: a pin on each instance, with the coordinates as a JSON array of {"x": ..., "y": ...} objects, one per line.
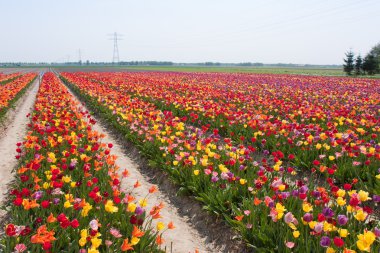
[
  {"x": 184, "y": 238},
  {"x": 13, "y": 130}
]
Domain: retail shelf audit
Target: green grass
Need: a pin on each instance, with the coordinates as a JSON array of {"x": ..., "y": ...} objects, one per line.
[
  {"x": 259, "y": 70},
  {"x": 234, "y": 69}
]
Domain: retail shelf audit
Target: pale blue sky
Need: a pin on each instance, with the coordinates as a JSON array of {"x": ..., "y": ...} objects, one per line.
[{"x": 271, "y": 31}]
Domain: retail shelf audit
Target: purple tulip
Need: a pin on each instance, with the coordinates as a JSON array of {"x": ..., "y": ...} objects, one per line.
[
  {"x": 38, "y": 195},
  {"x": 285, "y": 195},
  {"x": 325, "y": 241},
  {"x": 328, "y": 212},
  {"x": 139, "y": 210},
  {"x": 316, "y": 194},
  {"x": 214, "y": 179},
  {"x": 376, "y": 198},
  {"x": 377, "y": 232},
  {"x": 308, "y": 217},
  {"x": 303, "y": 189},
  {"x": 342, "y": 219}
]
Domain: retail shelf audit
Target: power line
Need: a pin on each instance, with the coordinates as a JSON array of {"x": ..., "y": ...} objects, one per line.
[
  {"x": 115, "y": 38},
  {"x": 258, "y": 30},
  {"x": 80, "y": 56}
]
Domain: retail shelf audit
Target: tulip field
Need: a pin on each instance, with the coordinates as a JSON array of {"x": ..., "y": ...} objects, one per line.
[
  {"x": 11, "y": 88},
  {"x": 67, "y": 195},
  {"x": 5, "y": 78},
  {"x": 289, "y": 162}
]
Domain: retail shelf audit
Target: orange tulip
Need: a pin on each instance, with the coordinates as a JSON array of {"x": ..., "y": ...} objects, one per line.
[
  {"x": 137, "y": 232},
  {"x": 126, "y": 246}
]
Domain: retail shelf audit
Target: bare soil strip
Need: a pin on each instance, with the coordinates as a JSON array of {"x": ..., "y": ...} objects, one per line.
[{"x": 12, "y": 130}]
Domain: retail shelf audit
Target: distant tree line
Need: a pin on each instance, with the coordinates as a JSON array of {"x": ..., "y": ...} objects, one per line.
[
  {"x": 369, "y": 65},
  {"x": 167, "y": 63},
  {"x": 146, "y": 63}
]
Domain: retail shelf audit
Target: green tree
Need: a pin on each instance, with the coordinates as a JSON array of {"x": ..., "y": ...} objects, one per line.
[
  {"x": 358, "y": 65},
  {"x": 375, "y": 51},
  {"x": 370, "y": 64},
  {"x": 348, "y": 65}
]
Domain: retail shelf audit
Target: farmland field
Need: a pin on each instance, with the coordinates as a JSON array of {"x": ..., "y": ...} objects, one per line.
[
  {"x": 303, "y": 152},
  {"x": 219, "y": 69},
  {"x": 287, "y": 163},
  {"x": 12, "y": 87}
]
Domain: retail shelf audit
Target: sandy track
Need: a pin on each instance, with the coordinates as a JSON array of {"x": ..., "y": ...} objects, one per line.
[
  {"x": 184, "y": 238},
  {"x": 13, "y": 130}
]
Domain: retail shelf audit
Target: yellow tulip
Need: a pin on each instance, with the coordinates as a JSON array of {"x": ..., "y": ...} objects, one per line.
[{"x": 160, "y": 226}]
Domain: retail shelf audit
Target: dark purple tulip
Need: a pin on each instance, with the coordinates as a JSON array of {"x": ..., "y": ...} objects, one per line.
[
  {"x": 308, "y": 217},
  {"x": 342, "y": 219},
  {"x": 56, "y": 201},
  {"x": 328, "y": 212},
  {"x": 316, "y": 194},
  {"x": 325, "y": 241},
  {"x": 376, "y": 198},
  {"x": 303, "y": 189}
]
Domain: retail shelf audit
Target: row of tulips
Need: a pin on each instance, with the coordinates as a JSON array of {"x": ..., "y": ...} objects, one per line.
[
  {"x": 5, "y": 78},
  {"x": 272, "y": 207},
  {"x": 67, "y": 196},
  {"x": 328, "y": 125},
  {"x": 12, "y": 91}
]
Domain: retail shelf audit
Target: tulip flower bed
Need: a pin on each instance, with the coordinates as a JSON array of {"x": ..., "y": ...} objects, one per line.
[
  {"x": 336, "y": 136},
  {"x": 260, "y": 193},
  {"x": 67, "y": 195},
  {"x": 12, "y": 91},
  {"x": 6, "y": 78}
]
